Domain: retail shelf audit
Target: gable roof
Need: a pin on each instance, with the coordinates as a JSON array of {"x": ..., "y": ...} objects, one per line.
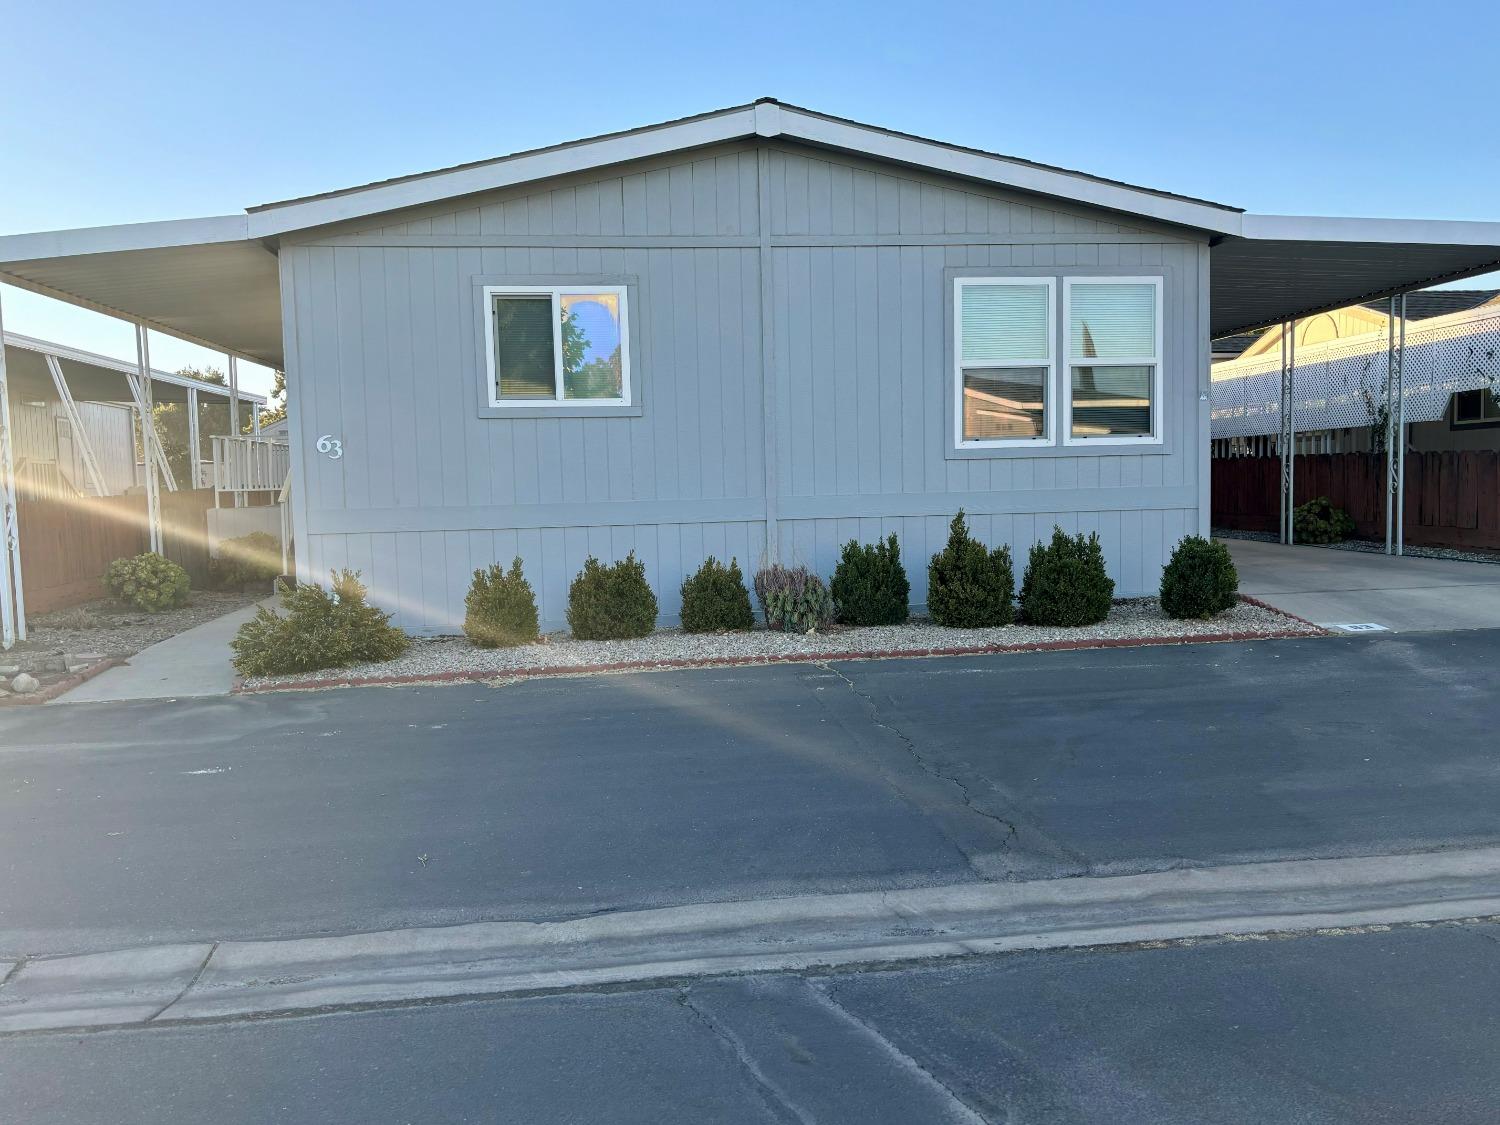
[
  {"x": 766, "y": 117},
  {"x": 1421, "y": 304}
]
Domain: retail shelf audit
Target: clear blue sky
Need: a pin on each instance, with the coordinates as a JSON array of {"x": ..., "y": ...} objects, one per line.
[{"x": 128, "y": 112}]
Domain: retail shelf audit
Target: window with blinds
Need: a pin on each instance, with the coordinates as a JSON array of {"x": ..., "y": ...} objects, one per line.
[
  {"x": 1005, "y": 364},
  {"x": 558, "y": 345},
  {"x": 1113, "y": 361}
]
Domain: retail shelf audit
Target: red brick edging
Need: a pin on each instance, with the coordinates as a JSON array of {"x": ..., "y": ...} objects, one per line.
[
  {"x": 67, "y": 683},
  {"x": 493, "y": 674}
]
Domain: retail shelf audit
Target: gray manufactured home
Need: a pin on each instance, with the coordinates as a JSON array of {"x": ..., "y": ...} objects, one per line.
[{"x": 759, "y": 333}]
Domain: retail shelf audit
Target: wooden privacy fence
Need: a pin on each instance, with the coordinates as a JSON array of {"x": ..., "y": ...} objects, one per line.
[
  {"x": 1452, "y": 498},
  {"x": 66, "y": 544}
]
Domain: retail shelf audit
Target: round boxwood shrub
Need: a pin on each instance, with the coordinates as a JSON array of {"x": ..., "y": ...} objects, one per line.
[
  {"x": 714, "y": 600},
  {"x": 869, "y": 584},
  {"x": 1066, "y": 582},
  {"x": 1199, "y": 580},
  {"x": 793, "y": 599},
  {"x": 611, "y": 602},
  {"x": 320, "y": 629},
  {"x": 500, "y": 608},
  {"x": 969, "y": 587},
  {"x": 1318, "y": 521},
  {"x": 148, "y": 582}
]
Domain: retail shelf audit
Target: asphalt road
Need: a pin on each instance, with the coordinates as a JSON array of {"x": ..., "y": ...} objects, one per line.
[
  {"x": 1382, "y": 1027},
  {"x": 124, "y": 824}
]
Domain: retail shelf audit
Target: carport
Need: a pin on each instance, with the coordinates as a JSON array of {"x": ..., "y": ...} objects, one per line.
[{"x": 215, "y": 281}]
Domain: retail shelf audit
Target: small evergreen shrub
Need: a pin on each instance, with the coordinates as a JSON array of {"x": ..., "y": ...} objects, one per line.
[
  {"x": 969, "y": 587},
  {"x": 1318, "y": 521},
  {"x": 249, "y": 560},
  {"x": 319, "y": 629},
  {"x": 500, "y": 608},
  {"x": 793, "y": 599},
  {"x": 869, "y": 584},
  {"x": 1066, "y": 582},
  {"x": 1199, "y": 580},
  {"x": 714, "y": 600},
  {"x": 148, "y": 582},
  {"x": 611, "y": 602}
]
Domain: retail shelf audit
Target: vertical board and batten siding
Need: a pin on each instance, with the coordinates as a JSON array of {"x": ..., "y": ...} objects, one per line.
[{"x": 384, "y": 351}]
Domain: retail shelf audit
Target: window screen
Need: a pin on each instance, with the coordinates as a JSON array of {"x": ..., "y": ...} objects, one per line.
[{"x": 525, "y": 367}]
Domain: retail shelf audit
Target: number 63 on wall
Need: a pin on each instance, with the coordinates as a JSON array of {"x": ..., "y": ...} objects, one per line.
[{"x": 331, "y": 447}]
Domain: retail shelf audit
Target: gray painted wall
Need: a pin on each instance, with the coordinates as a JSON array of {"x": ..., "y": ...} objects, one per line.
[{"x": 851, "y": 263}]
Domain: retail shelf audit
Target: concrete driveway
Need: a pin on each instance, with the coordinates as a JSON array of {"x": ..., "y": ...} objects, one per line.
[{"x": 1331, "y": 587}]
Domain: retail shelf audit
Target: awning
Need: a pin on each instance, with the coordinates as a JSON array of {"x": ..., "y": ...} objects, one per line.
[
  {"x": 1285, "y": 267},
  {"x": 200, "y": 280}
]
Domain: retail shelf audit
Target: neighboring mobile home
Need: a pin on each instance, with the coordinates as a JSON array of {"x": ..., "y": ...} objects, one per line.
[{"x": 758, "y": 332}]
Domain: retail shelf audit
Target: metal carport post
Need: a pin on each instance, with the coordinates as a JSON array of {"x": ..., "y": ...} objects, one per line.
[{"x": 12, "y": 594}]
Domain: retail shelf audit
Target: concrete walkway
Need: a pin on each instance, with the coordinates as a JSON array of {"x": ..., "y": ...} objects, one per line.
[
  {"x": 1331, "y": 587},
  {"x": 193, "y": 663}
]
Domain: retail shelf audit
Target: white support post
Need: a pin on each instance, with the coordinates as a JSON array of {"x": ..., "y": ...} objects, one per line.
[
  {"x": 195, "y": 447},
  {"x": 234, "y": 413},
  {"x": 255, "y": 418},
  {"x": 151, "y": 443},
  {"x": 80, "y": 432},
  {"x": 12, "y": 591},
  {"x": 149, "y": 438},
  {"x": 1390, "y": 425},
  {"x": 1286, "y": 439},
  {"x": 1401, "y": 433}
]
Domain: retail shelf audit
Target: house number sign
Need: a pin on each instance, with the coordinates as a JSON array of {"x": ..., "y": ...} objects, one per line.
[{"x": 331, "y": 447}]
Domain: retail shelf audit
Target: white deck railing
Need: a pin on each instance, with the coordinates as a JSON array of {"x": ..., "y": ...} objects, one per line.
[{"x": 249, "y": 464}]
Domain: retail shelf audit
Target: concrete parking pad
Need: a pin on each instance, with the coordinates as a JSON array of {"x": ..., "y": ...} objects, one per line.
[{"x": 1329, "y": 587}]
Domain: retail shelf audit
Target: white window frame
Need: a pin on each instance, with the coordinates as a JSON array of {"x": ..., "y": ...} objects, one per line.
[
  {"x": 1049, "y": 383},
  {"x": 1070, "y": 361},
  {"x": 556, "y": 292},
  {"x": 1483, "y": 419}
]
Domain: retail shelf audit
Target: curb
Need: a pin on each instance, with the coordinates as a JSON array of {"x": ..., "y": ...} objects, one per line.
[
  {"x": 505, "y": 675},
  {"x": 192, "y": 982},
  {"x": 66, "y": 684}
]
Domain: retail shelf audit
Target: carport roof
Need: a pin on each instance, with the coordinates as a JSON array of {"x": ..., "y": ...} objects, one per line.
[
  {"x": 214, "y": 281},
  {"x": 96, "y": 378}
]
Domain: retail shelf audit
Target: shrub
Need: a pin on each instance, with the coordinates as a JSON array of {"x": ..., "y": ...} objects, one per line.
[
  {"x": 1199, "y": 580},
  {"x": 1318, "y": 521},
  {"x": 793, "y": 599},
  {"x": 1066, "y": 582},
  {"x": 869, "y": 584},
  {"x": 149, "y": 582},
  {"x": 500, "y": 609},
  {"x": 714, "y": 600},
  {"x": 249, "y": 560},
  {"x": 320, "y": 629},
  {"x": 969, "y": 587},
  {"x": 611, "y": 602}
]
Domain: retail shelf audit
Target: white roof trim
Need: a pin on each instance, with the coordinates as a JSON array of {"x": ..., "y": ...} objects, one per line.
[
  {"x": 504, "y": 172},
  {"x": 1328, "y": 228},
  {"x": 94, "y": 359}
]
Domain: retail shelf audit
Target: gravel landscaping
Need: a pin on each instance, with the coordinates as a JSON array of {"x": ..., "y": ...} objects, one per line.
[
  {"x": 1371, "y": 547},
  {"x": 110, "y": 628},
  {"x": 1137, "y": 621}
]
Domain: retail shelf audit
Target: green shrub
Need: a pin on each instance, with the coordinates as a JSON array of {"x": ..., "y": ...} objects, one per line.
[
  {"x": 500, "y": 609},
  {"x": 793, "y": 599},
  {"x": 1199, "y": 580},
  {"x": 148, "y": 582},
  {"x": 1318, "y": 521},
  {"x": 320, "y": 629},
  {"x": 969, "y": 587},
  {"x": 714, "y": 600},
  {"x": 249, "y": 560},
  {"x": 869, "y": 584},
  {"x": 611, "y": 602},
  {"x": 1066, "y": 582}
]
